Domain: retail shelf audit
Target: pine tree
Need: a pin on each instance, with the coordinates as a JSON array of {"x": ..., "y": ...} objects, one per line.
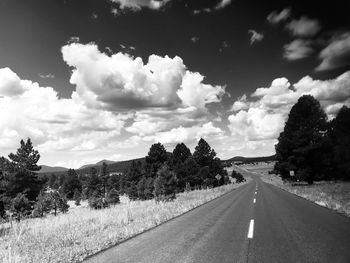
[
  {"x": 301, "y": 144},
  {"x": 156, "y": 157},
  {"x": 71, "y": 182},
  {"x": 203, "y": 153},
  {"x": 165, "y": 183},
  {"x": 340, "y": 138},
  {"x": 20, "y": 206},
  {"x": 77, "y": 197},
  {"x": 43, "y": 205},
  {"x": 23, "y": 165},
  {"x": 181, "y": 152}
]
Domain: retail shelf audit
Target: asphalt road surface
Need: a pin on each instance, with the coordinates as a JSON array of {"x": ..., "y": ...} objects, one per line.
[{"x": 257, "y": 222}]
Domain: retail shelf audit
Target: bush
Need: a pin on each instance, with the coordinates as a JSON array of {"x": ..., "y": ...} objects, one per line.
[
  {"x": 96, "y": 201},
  {"x": 238, "y": 176},
  {"x": 20, "y": 206},
  {"x": 112, "y": 197}
]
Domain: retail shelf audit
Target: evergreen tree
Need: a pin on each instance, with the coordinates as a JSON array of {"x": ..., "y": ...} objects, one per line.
[
  {"x": 2, "y": 209},
  {"x": 77, "y": 197},
  {"x": 104, "y": 177},
  {"x": 165, "y": 183},
  {"x": 191, "y": 168},
  {"x": 71, "y": 183},
  {"x": 203, "y": 154},
  {"x": 340, "y": 138},
  {"x": 58, "y": 202},
  {"x": 301, "y": 144},
  {"x": 20, "y": 206},
  {"x": 23, "y": 179},
  {"x": 141, "y": 188},
  {"x": 181, "y": 152},
  {"x": 92, "y": 184},
  {"x": 26, "y": 157},
  {"x": 156, "y": 157}
]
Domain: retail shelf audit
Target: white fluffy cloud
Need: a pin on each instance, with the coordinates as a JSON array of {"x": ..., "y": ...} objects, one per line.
[
  {"x": 186, "y": 134},
  {"x": 119, "y": 102},
  {"x": 262, "y": 118},
  {"x": 29, "y": 110},
  {"x": 336, "y": 54},
  {"x": 275, "y": 17},
  {"x": 297, "y": 49},
  {"x": 122, "y": 82},
  {"x": 304, "y": 27},
  {"x": 139, "y": 4}
]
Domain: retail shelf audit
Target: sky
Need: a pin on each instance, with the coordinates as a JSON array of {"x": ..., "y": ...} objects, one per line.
[{"x": 88, "y": 80}]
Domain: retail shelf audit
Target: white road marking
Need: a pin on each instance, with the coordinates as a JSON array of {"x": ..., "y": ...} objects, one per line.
[
  {"x": 251, "y": 228},
  {"x": 254, "y": 201},
  {"x": 255, "y": 192}
]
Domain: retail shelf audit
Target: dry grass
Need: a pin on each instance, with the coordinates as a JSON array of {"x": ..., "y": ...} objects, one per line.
[
  {"x": 72, "y": 237},
  {"x": 334, "y": 195}
]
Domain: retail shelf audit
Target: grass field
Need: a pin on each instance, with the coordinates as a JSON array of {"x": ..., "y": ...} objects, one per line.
[
  {"x": 334, "y": 195},
  {"x": 73, "y": 236}
]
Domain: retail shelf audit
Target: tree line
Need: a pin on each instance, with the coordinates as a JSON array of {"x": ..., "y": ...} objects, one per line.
[
  {"x": 160, "y": 175},
  {"x": 312, "y": 148}
]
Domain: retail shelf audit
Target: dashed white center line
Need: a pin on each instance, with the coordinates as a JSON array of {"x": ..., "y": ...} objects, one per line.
[
  {"x": 255, "y": 192},
  {"x": 251, "y": 228},
  {"x": 254, "y": 201}
]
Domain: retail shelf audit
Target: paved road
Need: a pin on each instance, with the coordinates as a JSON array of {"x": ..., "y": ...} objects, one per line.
[{"x": 275, "y": 227}]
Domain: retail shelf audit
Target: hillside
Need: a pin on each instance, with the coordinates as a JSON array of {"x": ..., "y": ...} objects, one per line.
[
  {"x": 252, "y": 159},
  {"x": 52, "y": 169}
]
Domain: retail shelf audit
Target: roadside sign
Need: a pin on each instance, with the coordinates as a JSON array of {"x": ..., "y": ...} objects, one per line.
[
  {"x": 291, "y": 173},
  {"x": 218, "y": 177}
]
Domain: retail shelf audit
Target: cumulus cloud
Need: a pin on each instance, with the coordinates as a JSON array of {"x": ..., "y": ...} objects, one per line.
[
  {"x": 51, "y": 122},
  {"x": 297, "y": 49},
  {"x": 336, "y": 54},
  {"x": 122, "y": 82},
  {"x": 304, "y": 27},
  {"x": 137, "y": 5},
  {"x": 10, "y": 83},
  {"x": 186, "y": 134},
  {"x": 275, "y": 17},
  {"x": 255, "y": 36},
  {"x": 262, "y": 117}
]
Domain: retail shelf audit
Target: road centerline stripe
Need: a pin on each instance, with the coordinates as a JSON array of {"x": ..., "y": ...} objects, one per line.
[
  {"x": 254, "y": 200},
  {"x": 251, "y": 228}
]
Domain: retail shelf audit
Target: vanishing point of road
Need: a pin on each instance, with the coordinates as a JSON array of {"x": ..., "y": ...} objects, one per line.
[{"x": 257, "y": 222}]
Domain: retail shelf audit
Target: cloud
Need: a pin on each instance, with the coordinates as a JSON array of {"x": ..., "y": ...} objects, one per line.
[
  {"x": 204, "y": 10},
  {"x": 261, "y": 118},
  {"x": 121, "y": 82},
  {"x": 52, "y": 123},
  {"x": 336, "y": 54},
  {"x": 222, "y": 4},
  {"x": 194, "y": 39},
  {"x": 255, "y": 36},
  {"x": 304, "y": 27},
  {"x": 137, "y": 5},
  {"x": 47, "y": 76},
  {"x": 186, "y": 134},
  {"x": 10, "y": 83},
  {"x": 275, "y": 17},
  {"x": 297, "y": 49}
]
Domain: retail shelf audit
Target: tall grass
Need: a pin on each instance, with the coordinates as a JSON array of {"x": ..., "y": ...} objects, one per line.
[{"x": 72, "y": 237}]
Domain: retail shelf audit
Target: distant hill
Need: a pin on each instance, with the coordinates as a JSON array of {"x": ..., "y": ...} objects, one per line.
[
  {"x": 52, "y": 169},
  {"x": 252, "y": 159},
  {"x": 96, "y": 164}
]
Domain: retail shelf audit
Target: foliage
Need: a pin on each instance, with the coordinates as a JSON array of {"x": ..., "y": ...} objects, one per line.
[
  {"x": 71, "y": 183},
  {"x": 165, "y": 183},
  {"x": 181, "y": 152},
  {"x": 96, "y": 201},
  {"x": 20, "y": 206},
  {"x": 77, "y": 197},
  {"x": 203, "y": 153},
  {"x": 26, "y": 157},
  {"x": 156, "y": 157},
  {"x": 238, "y": 176},
  {"x": 113, "y": 197},
  {"x": 340, "y": 138},
  {"x": 301, "y": 146}
]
